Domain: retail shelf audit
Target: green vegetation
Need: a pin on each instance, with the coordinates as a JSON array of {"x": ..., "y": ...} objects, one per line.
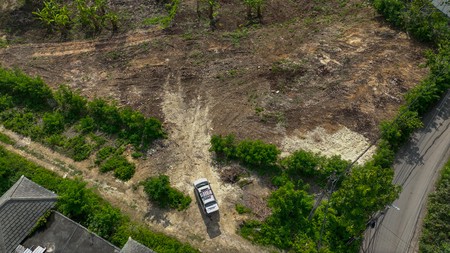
[
  {"x": 166, "y": 20},
  {"x": 241, "y": 209},
  {"x": 213, "y": 7},
  {"x": 254, "y": 9},
  {"x": 364, "y": 191},
  {"x": 83, "y": 205},
  {"x": 367, "y": 188},
  {"x": 435, "y": 234},
  {"x": 5, "y": 139},
  {"x": 55, "y": 16},
  {"x": 123, "y": 169},
  {"x": 160, "y": 192},
  {"x": 424, "y": 22},
  {"x": 91, "y": 16},
  {"x": 29, "y": 107},
  {"x": 254, "y": 153},
  {"x": 418, "y": 17}
]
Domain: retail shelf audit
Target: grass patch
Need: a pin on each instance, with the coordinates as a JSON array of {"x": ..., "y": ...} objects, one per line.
[{"x": 5, "y": 139}]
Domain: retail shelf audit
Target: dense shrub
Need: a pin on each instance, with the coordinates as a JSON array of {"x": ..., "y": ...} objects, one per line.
[
  {"x": 435, "y": 234},
  {"x": 424, "y": 22},
  {"x": 156, "y": 241},
  {"x": 6, "y": 102},
  {"x": 5, "y": 139},
  {"x": 26, "y": 102},
  {"x": 104, "y": 153},
  {"x": 397, "y": 131},
  {"x": 53, "y": 123},
  {"x": 288, "y": 205},
  {"x": 257, "y": 153},
  {"x": 72, "y": 105},
  {"x": 56, "y": 140},
  {"x": 123, "y": 169},
  {"x": 24, "y": 123},
  {"x": 392, "y": 10},
  {"x": 224, "y": 146},
  {"x": 78, "y": 147},
  {"x": 159, "y": 191},
  {"x": 86, "y": 125},
  {"x": 86, "y": 207},
  {"x": 152, "y": 130},
  {"x": 105, "y": 115},
  {"x": 303, "y": 163},
  {"x": 418, "y": 17},
  {"x": 25, "y": 90}
]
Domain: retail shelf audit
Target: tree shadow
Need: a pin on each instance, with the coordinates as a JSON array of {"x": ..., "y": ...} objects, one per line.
[
  {"x": 211, "y": 221},
  {"x": 410, "y": 152},
  {"x": 158, "y": 215}
]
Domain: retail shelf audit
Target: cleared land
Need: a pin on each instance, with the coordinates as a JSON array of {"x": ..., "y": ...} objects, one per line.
[{"x": 312, "y": 74}]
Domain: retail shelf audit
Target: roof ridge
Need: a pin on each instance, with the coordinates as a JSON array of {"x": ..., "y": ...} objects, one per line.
[
  {"x": 84, "y": 228},
  {"x": 17, "y": 184}
]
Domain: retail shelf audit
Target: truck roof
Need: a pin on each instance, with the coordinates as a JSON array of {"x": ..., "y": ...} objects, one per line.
[{"x": 206, "y": 194}]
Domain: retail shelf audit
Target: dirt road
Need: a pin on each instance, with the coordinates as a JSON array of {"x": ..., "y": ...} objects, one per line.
[{"x": 416, "y": 170}]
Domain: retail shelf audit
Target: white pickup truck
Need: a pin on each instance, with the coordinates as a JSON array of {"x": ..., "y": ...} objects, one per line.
[{"x": 206, "y": 196}]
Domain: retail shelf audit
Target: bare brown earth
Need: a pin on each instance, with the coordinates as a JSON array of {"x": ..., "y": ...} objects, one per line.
[{"x": 318, "y": 82}]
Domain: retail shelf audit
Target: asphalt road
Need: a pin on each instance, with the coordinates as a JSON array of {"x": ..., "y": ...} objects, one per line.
[{"x": 416, "y": 168}]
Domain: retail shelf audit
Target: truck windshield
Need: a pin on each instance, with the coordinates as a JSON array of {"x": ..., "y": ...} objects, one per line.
[
  {"x": 201, "y": 184},
  {"x": 210, "y": 203}
]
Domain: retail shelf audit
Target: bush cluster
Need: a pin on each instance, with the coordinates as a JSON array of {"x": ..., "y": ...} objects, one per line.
[
  {"x": 419, "y": 100},
  {"x": 435, "y": 236},
  {"x": 83, "y": 205},
  {"x": 418, "y": 17},
  {"x": 426, "y": 23},
  {"x": 159, "y": 191},
  {"x": 91, "y": 16},
  {"x": 123, "y": 169},
  {"x": 257, "y": 154},
  {"x": 29, "y": 107},
  {"x": 171, "y": 7},
  {"x": 253, "y": 153}
]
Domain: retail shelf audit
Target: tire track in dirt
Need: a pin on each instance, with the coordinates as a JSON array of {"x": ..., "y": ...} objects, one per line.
[
  {"x": 190, "y": 130},
  {"x": 79, "y": 47}
]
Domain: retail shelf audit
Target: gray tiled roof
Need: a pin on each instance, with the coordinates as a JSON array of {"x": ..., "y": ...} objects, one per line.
[
  {"x": 135, "y": 247},
  {"x": 65, "y": 235},
  {"x": 20, "y": 208}
]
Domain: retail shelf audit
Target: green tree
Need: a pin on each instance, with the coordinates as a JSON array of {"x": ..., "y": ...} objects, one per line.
[
  {"x": 104, "y": 221},
  {"x": 213, "y": 6},
  {"x": 55, "y": 17},
  {"x": 93, "y": 16},
  {"x": 75, "y": 201},
  {"x": 398, "y": 131},
  {"x": 366, "y": 190},
  {"x": 254, "y": 9},
  {"x": 303, "y": 163},
  {"x": 71, "y": 104},
  {"x": 290, "y": 209},
  {"x": 53, "y": 123},
  {"x": 257, "y": 153},
  {"x": 159, "y": 191},
  {"x": 224, "y": 146}
]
